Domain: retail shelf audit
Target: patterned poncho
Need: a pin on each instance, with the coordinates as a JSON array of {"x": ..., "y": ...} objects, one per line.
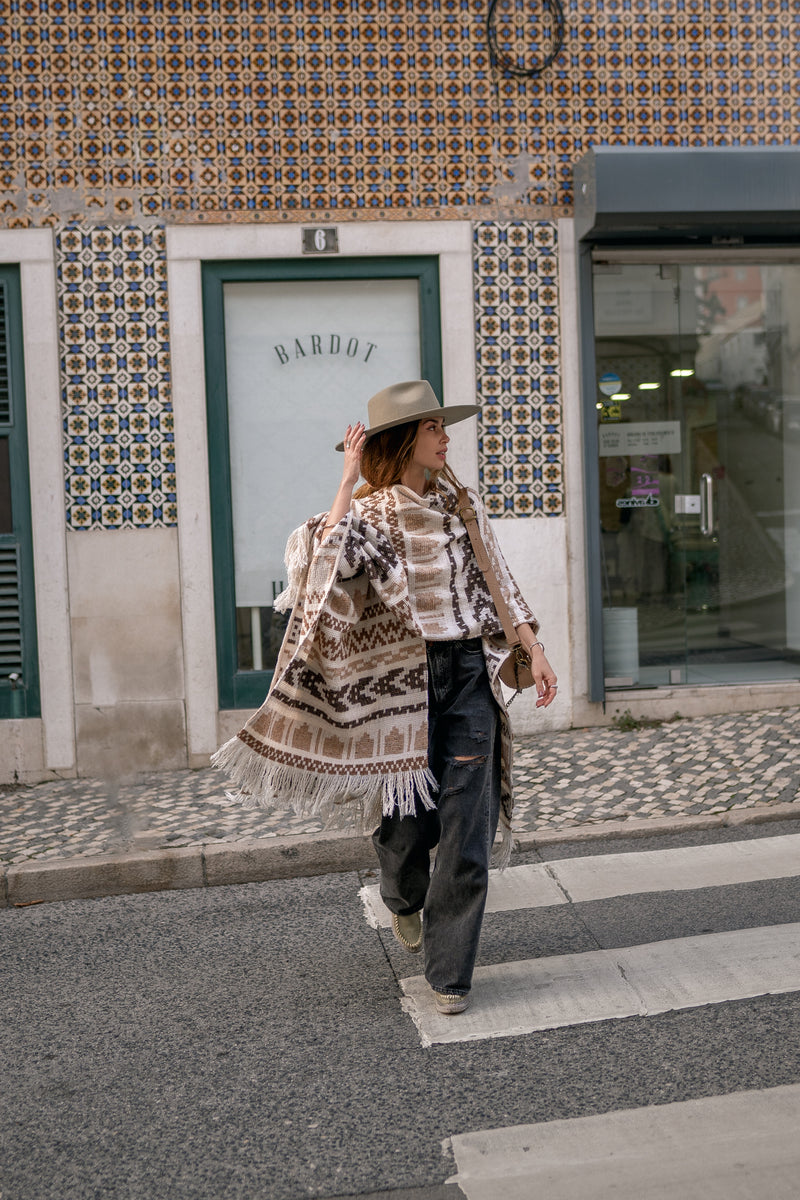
[{"x": 343, "y": 732}]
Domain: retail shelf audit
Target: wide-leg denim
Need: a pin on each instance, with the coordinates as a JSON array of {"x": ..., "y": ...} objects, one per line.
[{"x": 463, "y": 753}]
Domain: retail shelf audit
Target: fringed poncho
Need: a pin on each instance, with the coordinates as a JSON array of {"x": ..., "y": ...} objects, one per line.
[{"x": 343, "y": 732}]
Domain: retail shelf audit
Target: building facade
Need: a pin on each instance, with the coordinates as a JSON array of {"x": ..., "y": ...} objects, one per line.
[{"x": 224, "y": 225}]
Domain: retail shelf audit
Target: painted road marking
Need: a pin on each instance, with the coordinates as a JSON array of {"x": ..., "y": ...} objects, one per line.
[
  {"x": 599, "y": 877},
  {"x": 522, "y": 997},
  {"x": 530, "y": 886},
  {"x": 685, "y": 869},
  {"x": 742, "y": 1145}
]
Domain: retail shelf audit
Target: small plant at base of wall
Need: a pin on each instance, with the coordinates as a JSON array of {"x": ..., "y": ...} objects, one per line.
[{"x": 626, "y": 722}]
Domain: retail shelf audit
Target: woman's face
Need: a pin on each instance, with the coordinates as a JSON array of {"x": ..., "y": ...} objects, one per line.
[{"x": 430, "y": 448}]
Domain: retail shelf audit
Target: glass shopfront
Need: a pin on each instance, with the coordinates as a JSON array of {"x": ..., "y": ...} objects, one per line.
[{"x": 698, "y": 412}]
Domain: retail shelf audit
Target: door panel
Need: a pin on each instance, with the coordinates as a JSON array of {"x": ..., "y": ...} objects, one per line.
[{"x": 293, "y": 352}]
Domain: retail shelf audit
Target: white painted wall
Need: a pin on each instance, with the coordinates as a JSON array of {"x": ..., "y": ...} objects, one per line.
[
  {"x": 125, "y": 616},
  {"x": 536, "y": 551},
  {"x": 576, "y": 611}
]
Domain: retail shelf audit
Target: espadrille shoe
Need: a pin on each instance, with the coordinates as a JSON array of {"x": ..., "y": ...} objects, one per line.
[
  {"x": 450, "y": 1002},
  {"x": 408, "y": 931}
]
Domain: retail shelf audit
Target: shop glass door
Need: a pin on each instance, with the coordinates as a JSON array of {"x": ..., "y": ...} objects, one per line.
[
  {"x": 293, "y": 351},
  {"x": 698, "y": 410}
]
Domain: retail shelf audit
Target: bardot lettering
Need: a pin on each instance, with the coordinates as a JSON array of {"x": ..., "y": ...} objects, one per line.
[{"x": 313, "y": 344}]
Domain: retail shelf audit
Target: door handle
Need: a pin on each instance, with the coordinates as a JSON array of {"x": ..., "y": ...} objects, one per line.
[{"x": 706, "y": 505}]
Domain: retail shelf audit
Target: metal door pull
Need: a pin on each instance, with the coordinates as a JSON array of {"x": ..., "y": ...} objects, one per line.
[{"x": 706, "y": 505}]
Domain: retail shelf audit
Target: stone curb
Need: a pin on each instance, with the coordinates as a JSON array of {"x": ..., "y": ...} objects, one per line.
[
  {"x": 211, "y": 865},
  {"x": 260, "y": 859},
  {"x": 636, "y": 827}
]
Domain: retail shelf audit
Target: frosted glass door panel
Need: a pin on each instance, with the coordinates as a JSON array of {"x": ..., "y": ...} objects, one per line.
[{"x": 303, "y": 358}]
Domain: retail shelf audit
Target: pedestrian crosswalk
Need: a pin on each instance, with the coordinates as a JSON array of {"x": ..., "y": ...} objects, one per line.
[
  {"x": 518, "y": 997},
  {"x": 718, "y": 1147}
]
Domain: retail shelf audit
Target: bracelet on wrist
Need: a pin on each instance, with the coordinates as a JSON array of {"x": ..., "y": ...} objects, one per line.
[{"x": 530, "y": 648}]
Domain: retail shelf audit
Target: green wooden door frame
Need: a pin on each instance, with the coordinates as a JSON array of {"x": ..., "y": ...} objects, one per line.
[
  {"x": 24, "y": 700},
  {"x": 247, "y": 689}
]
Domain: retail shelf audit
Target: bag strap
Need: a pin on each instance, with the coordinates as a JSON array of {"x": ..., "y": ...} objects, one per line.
[{"x": 470, "y": 518}]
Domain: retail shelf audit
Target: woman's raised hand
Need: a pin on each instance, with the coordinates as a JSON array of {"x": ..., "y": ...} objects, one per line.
[{"x": 354, "y": 439}]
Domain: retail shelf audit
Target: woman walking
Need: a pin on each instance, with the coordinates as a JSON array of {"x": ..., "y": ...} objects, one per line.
[{"x": 386, "y": 704}]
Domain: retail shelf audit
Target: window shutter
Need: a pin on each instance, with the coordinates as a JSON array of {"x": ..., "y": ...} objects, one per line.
[
  {"x": 10, "y": 615},
  {"x": 18, "y": 642},
  {"x": 11, "y": 659},
  {"x": 5, "y": 391}
]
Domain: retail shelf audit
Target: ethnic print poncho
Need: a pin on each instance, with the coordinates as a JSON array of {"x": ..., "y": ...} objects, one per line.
[{"x": 343, "y": 732}]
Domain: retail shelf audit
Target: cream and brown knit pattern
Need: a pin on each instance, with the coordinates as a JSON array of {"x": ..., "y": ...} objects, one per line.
[{"x": 343, "y": 733}]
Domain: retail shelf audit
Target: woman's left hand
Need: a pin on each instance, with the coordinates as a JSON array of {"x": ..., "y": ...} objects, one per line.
[{"x": 544, "y": 677}]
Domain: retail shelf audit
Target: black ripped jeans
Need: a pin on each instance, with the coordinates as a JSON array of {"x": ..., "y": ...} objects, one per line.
[{"x": 463, "y": 753}]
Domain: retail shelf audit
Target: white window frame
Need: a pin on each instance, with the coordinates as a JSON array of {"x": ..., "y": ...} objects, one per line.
[{"x": 33, "y": 251}]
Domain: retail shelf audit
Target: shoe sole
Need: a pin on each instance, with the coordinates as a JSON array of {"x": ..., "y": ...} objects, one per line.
[{"x": 450, "y": 1008}]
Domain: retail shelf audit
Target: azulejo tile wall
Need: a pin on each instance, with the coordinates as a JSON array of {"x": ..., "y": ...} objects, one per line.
[
  {"x": 165, "y": 110},
  {"x": 118, "y": 117},
  {"x": 517, "y": 337},
  {"x": 118, "y": 421},
  {"x": 118, "y": 418}
]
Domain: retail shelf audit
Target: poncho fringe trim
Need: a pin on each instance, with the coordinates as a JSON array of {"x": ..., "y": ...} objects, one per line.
[
  {"x": 334, "y": 799},
  {"x": 338, "y": 801},
  {"x": 502, "y": 853}
]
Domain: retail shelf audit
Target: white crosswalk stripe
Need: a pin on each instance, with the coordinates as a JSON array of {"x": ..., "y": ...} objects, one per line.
[
  {"x": 572, "y": 989},
  {"x": 514, "y": 998},
  {"x": 742, "y": 1145},
  {"x": 601, "y": 876}
]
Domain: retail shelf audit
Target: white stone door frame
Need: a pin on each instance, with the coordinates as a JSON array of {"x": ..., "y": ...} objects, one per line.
[
  {"x": 188, "y": 247},
  {"x": 33, "y": 251}
]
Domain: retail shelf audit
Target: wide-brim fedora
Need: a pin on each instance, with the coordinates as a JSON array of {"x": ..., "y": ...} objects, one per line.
[{"x": 414, "y": 400}]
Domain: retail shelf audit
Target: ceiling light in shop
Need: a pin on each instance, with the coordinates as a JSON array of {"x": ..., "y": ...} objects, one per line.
[
  {"x": 648, "y": 387},
  {"x": 621, "y": 396},
  {"x": 683, "y": 373}
]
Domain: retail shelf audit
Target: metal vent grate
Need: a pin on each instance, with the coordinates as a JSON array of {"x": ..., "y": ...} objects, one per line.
[
  {"x": 10, "y": 615},
  {"x": 5, "y": 391}
]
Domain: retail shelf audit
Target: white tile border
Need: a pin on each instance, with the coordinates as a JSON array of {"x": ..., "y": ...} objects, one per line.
[
  {"x": 33, "y": 250},
  {"x": 187, "y": 248}
]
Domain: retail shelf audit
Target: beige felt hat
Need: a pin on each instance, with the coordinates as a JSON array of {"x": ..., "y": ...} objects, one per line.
[{"x": 413, "y": 401}]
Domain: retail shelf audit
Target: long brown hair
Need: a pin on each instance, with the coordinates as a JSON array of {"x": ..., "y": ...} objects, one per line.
[{"x": 386, "y": 456}]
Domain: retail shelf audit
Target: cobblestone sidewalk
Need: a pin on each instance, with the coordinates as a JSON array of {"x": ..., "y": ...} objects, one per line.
[{"x": 583, "y": 776}]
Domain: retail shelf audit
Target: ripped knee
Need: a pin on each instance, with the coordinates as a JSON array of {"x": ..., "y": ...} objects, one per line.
[{"x": 470, "y": 758}]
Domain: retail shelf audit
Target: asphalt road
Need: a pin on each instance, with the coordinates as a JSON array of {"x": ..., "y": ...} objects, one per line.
[{"x": 249, "y": 1042}]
